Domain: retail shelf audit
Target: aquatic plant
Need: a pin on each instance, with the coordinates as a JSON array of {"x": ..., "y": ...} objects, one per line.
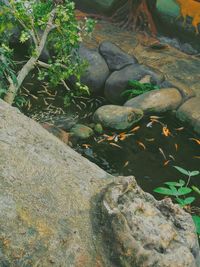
[
  {"x": 179, "y": 190},
  {"x": 137, "y": 88}
]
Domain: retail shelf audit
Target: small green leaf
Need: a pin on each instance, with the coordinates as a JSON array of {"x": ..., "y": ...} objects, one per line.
[
  {"x": 196, "y": 220},
  {"x": 196, "y": 189},
  {"x": 164, "y": 191},
  {"x": 189, "y": 200},
  {"x": 194, "y": 173},
  {"x": 174, "y": 190},
  {"x": 181, "y": 170},
  {"x": 181, "y": 182},
  {"x": 180, "y": 201},
  {"x": 174, "y": 183},
  {"x": 183, "y": 191}
]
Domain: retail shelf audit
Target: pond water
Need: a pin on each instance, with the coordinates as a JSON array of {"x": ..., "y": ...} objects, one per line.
[
  {"x": 146, "y": 152},
  {"x": 143, "y": 151}
]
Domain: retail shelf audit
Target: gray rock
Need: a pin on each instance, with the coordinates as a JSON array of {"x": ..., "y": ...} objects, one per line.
[
  {"x": 117, "y": 117},
  {"x": 115, "y": 58},
  {"x": 64, "y": 122},
  {"x": 97, "y": 70},
  {"x": 46, "y": 198},
  {"x": 49, "y": 205},
  {"x": 157, "y": 101},
  {"x": 189, "y": 112},
  {"x": 81, "y": 131},
  {"x": 142, "y": 231},
  {"x": 118, "y": 81}
]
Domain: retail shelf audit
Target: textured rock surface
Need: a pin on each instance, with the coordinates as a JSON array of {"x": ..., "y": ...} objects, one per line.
[
  {"x": 180, "y": 69},
  {"x": 97, "y": 70},
  {"x": 157, "y": 100},
  {"x": 46, "y": 198},
  {"x": 82, "y": 131},
  {"x": 189, "y": 112},
  {"x": 118, "y": 81},
  {"x": 59, "y": 133},
  {"x": 64, "y": 122},
  {"x": 117, "y": 117},
  {"x": 115, "y": 58},
  {"x": 147, "y": 232},
  {"x": 49, "y": 207}
]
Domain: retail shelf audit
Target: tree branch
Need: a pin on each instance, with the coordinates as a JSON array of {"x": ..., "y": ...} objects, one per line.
[{"x": 30, "y": 64}]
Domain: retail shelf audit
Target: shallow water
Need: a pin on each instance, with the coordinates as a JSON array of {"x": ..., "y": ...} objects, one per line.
[{"x": 149, "y": 155}]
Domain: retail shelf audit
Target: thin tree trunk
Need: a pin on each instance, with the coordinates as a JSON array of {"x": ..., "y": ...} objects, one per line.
[
  {"x": 13, "y": 88},
  {"x": 30, "y": 64}
]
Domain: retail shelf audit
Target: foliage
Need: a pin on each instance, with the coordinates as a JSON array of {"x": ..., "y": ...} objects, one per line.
[
  {"x": 179, "y": 190},
  {"x": 80, "y": 90},
  {"x": 62, "y": 36},
  {"x": 6, "y": 68},
  {"x": 138, "y": 88}
]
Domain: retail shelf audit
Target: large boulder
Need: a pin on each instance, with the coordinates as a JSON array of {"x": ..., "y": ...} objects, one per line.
[
  {"x": 115, "y": 58},
  {"x": 118, "y": 81},
  {"x": 142, "y": 231},
  {"x": 50, "y": 206},
  {"x": 189, "y": 112},
  {"x": 117, "y": 117},
  {"x": 156, "y": 101},
  {"x": 96, "y": 71},
  {"x": 46, "y": 198}
]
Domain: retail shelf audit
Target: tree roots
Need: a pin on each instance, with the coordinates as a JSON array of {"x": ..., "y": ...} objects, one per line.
[{"x": 135, "y": 14}]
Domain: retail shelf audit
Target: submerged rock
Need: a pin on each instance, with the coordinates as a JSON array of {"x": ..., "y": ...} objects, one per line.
[
  {"x": 157, "y": 101},
  {"x": 145, "y": 232},
  {"x": 96, "y": 71},
  {"x": 189, "y": 112},
  {"x": 118, "y": 81},
  {"x": 81, "y": 131},
  {"x": 64, "y": 122},
  {"x": 115, "y": 58},
  {"x": 98, "y": 128},
  {"x": 117, "y": 117},
  {"x": 59, "y": 133}
]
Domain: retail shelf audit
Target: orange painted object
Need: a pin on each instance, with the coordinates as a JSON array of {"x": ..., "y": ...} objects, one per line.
[{"x": 190, "y": 8}]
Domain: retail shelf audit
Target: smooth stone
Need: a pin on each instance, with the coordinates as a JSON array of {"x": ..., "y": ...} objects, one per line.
[
  {"x": 117, "y": 82},
  {"x": 117, "y": 117},
  {"x": 59, "y": 133},
  {"x": 157, "y": 101},
  {"x": 81, "y": 131},
  {"x": 142, "y": 231},
  {"x": 96, "y": 71},
  {"x": 98, "y": 128},
  {"x": 115, "y": 58},
  {"x": 189, "y": 112}
]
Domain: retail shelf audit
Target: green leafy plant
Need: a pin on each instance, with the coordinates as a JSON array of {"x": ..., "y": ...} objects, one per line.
[
  {"x": 180, "y": 190},
  {"x": 42, "y": 24},
  {"x": 176, "y": 189},
  {"x": 138, "y": 88}
]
